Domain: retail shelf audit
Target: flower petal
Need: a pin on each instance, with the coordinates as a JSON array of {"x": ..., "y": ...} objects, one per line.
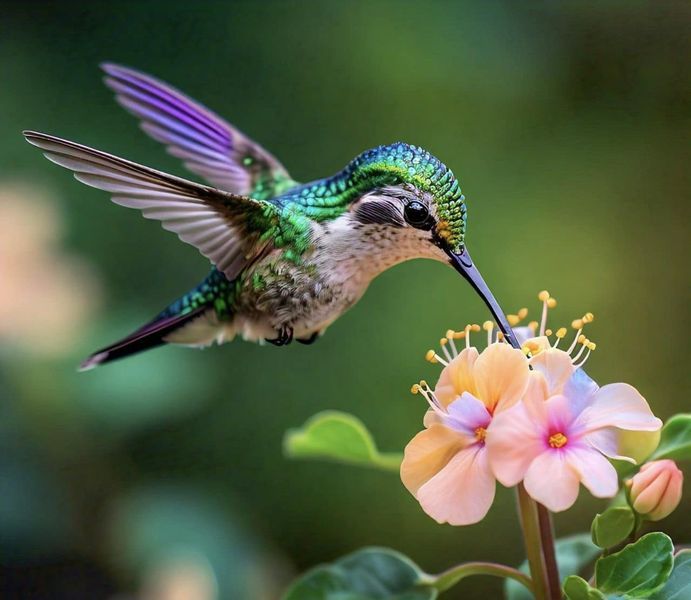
[
  {"x": 457, "y": 377},
  {"x": 427, "y": 454},
  {"x": 467, "y": 414},
  {"x": 537, "y": 390},
  {"x": 551, "y": 481},
  {"x": 606, "y": 441},
  {"x": 523, "y": 334},
  {"x": 618, "y": 405},
  {"x": 463, "y": 491},
  {"x": 594, "y": 470},
  {"x": 501, "y": 376},
  {"x": 556, "y": 366},
  {"x": 513, "y": 441}
]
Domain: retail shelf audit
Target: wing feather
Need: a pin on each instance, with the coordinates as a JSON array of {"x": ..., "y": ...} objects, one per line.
[
  {"x": 206, "y": 143},
  {"x": 226, "y": 228}
]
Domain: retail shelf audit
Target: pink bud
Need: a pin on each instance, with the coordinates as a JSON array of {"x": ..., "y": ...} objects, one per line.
[{"x": 656, "y": 489}]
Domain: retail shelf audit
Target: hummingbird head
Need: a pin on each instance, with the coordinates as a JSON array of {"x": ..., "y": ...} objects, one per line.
[{"x": 417, "y": 200}]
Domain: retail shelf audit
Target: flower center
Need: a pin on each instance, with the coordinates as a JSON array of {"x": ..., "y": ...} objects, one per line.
[
  {"x": 557, "y": 440},
  {"x": 480, "y": 434}
]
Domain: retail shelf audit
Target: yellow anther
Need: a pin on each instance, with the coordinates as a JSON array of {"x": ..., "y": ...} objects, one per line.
[
  {"x": 588, "y": 317},
  {"x": 561, "y": 332},
  {"x": 577, "y": 323},
  {"x": 480, "y": 434},
  {"x": 551, "y": 302},
  {"x": 513, "y": 319},
  {"x": 543, "y": 296},
  {"x": 548, "y": 332},
  {"x": 431, "y": 356},
  {"x": 423, "y": 383},
  {"x": 582, "y": 339},
  {"x": 592, "y": 346},
  {"x": 557, "y": 440},
  {"x": 459, "y": 335},
  {"x": 500, "y": 336},
  {"x": 533, "y": 325},
  {"x": 451, "y": 334},
  {"x": 474, "y": 327},
  {"x": 525, "y": 350},
  {"x": 522, "y": 313},
  {"x": 415, "y": 389},
  {"x": 488, "y": 325},
  {"x": 443, "y": 341}
]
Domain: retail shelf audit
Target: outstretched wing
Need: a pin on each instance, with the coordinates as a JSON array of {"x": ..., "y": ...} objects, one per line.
[
  {"x": 229, "y": 229},
  {"x": 208, "y": 145}
]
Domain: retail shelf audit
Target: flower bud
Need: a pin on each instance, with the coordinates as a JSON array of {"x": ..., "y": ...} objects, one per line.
[{"x": 656, "y": 489}]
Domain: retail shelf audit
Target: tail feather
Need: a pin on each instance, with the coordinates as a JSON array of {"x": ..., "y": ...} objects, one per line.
[{"x": 149, "y": 336}]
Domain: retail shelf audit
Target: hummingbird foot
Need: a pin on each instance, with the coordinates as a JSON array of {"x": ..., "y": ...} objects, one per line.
[
  {"x": 309, "y": 340},
  {"x": 285, "y": 336}
]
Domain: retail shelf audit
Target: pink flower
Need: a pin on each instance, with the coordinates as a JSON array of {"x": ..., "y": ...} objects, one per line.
[
  {"x": 446, "y": 465},
  {"x": 656, "y": 489},
  {"x": 562, "y": 432}
]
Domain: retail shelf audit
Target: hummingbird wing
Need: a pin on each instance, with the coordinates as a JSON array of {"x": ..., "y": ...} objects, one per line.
[
  {"x": 208, "y": 145},
  {"x": 229, "y": 229}
]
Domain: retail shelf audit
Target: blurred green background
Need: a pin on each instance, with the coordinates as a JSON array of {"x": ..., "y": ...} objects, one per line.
[{"x": 162, "y": 476}]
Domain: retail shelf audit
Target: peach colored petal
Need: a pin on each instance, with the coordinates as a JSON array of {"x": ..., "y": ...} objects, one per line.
[
  {"x": 537, "y": 390},
  {"x": 618, "y": 405},
  {"x": 556, "y": 366},
  {"x": 431, "y": 418},
  {"x": 649, "y": 497},
  {"x": 457, "y": 377},
  {"x": 428, "y": 453},
  {"x": 513, "y": 442},
  {"x": 594, "y": 470},
  {"x": 656, "y": 489},
  {"x": 551, "y": 481},
  {"x": 501, "y": 376},
  {"x": 463, "y": 491}
]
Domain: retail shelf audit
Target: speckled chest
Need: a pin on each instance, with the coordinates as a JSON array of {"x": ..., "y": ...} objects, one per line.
[{"x": 309, "y": 294}]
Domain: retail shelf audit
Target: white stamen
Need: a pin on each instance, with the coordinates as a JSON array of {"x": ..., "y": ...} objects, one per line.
[
  {"x": 543, "y": 320},
  {"x": 575, "y": 341},
  {"x": 446, "y": 352},
  {"x": 580, "y": 364},
  {"x": 580, "y": 352}
]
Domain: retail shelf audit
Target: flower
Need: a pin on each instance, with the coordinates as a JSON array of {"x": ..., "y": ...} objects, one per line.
[
  {"x": 566, "y": 426},
  {"x": 446, "y": 465},
  {"x": 656, "y": 489},
  {"x": 47, "y": 293}
]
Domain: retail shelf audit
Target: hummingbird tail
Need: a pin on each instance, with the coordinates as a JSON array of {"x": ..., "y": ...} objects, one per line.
[{"x": 148, "y": 336}]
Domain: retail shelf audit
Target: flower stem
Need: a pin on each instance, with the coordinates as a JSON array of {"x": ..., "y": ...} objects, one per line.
[
  {"x": 451, "y": 577},
  {"x": 527, "y": 509},
  {"x": 547, "y": 542}
]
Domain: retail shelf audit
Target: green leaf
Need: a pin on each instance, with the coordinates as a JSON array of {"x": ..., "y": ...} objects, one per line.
[
  {"x": 573, "y": 553},
  {"x": 577, "y": 588},
  {"x": 339, "y": 437},
  {"x": 368, "y": 574},
  {"x": 678, "y": 586},
  {"x": 612, "y": 526},
  {"x": 637, "y": 570},
  {"x": 675, "y": 441}
]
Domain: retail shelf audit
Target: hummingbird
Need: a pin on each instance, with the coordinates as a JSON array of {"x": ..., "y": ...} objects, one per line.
[{"x": 287, "y": 258}]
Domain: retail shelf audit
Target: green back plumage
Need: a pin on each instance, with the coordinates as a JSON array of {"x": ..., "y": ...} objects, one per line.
[{"x": 392, "y": 164}]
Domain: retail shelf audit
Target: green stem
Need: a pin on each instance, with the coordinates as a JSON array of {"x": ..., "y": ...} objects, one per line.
[
  {"x": 547, "y": 543},
  {"x": 449, "y": 578},
  {"x": 527, "y": 510}
]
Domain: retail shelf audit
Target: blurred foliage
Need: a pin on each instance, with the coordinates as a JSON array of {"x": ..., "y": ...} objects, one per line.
[{"x": 567, "y": 124}]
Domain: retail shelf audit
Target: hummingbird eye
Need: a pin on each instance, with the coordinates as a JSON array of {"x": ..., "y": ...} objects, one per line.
[{"x": 416, "y": 214}]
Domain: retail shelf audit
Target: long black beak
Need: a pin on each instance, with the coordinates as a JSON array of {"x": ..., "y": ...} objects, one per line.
[{"x": 464, "y": 265}]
